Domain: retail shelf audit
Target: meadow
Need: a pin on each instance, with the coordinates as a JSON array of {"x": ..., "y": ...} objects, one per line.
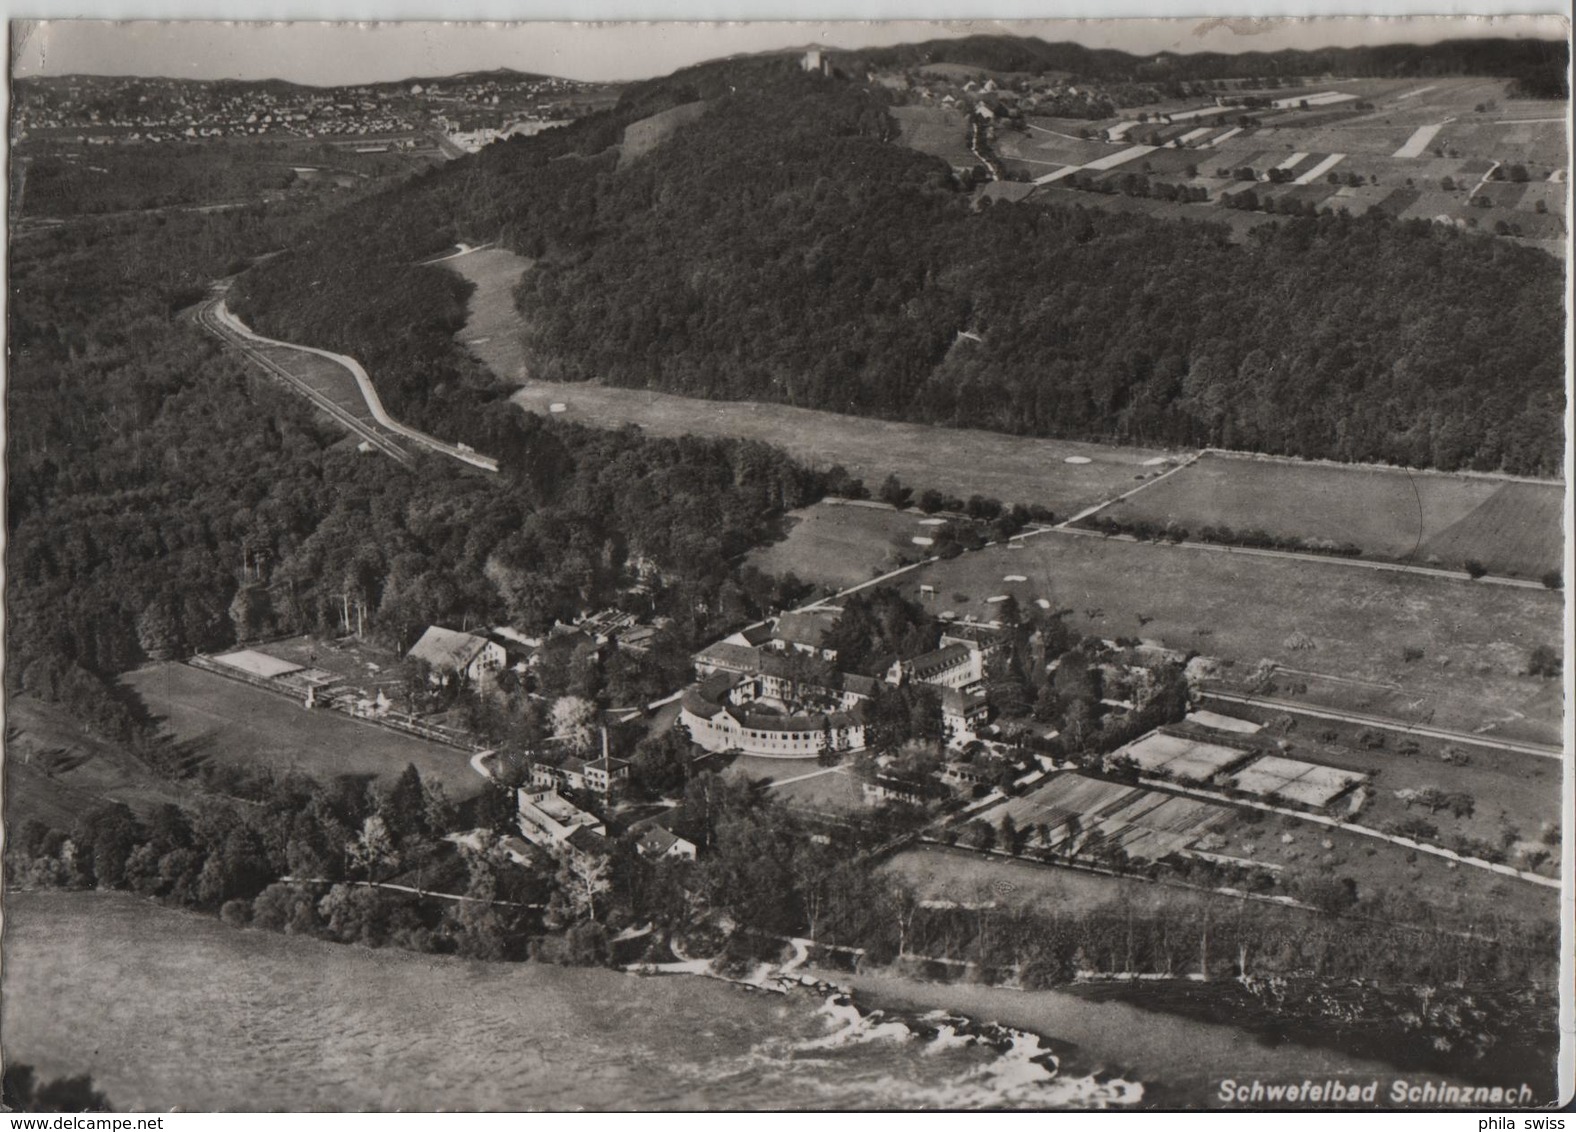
[
  {"x": 1326, "y": 617},
  {"x": 1511, "y": 527},
  {"x": 225, "y": 721},
  {"x": 837, "y": 545}
]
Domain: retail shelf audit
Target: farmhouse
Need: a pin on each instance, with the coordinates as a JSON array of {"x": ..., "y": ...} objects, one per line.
[
  {"x": 450, "y": 653},
  {"x": 657, "y": 843}
]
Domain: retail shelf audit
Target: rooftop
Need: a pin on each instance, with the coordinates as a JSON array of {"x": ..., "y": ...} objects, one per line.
[{"x": 446, "y": 648}]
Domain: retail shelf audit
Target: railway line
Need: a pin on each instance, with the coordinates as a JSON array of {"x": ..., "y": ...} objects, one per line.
[{"x": 208, "y": 318}]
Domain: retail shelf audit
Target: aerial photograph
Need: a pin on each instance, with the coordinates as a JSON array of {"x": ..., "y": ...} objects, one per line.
[{"x": 886, "y": 566}]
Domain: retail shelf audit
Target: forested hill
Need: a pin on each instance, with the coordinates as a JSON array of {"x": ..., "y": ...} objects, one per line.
[
  {"x": 783, "y": 247},
  {"x": 1538, "y": 67}
]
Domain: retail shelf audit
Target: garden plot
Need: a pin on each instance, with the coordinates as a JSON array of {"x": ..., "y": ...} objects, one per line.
[
  {"x": 1185, "y": 759},
  {"x": 1306, "y": 783},
  {"x": 1095, "y": 813}
]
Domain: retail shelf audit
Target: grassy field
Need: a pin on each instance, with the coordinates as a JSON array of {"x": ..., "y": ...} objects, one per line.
[
  {"x": 1327, "y": 617},
  {"x": 958, "y": 875},
  {"x": 838, "y": 545},
  {"x": 1511, "y": 527},
  {"x": 224, "y": 720},
  {"x": 492, "y": 326},
  {"x": 960, "y": 462},
  {"x": 1508, "y": 787},
  {"x": 54, "y": 770}
]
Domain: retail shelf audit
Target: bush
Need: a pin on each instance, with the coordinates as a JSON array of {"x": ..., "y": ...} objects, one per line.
[
  {"x": 1553, "y": 580},
  {"x": 1543, "y": 661},
  {"x": 236, "y": 913},
  {"x": 1474, "y": 568}
]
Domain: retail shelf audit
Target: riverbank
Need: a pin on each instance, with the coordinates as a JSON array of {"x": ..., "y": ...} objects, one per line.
[{"x": 1182, "y": 1061}]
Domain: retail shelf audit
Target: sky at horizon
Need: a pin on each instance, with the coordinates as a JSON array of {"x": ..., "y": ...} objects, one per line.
[{"x": 327, "y": 54}]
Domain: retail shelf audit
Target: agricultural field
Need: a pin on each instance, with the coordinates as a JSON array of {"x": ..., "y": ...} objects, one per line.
[
  {"x": 1151, "y": 824},
  {"x": 1090, "y": 814},
  {"x": 1417, "y": 135},
  {"x": 1512, "y": 527},
  {"x": 1331, "y": 617},
  {"x": 837, "y": 544},
  {"x": 212, "y": 717},
  {"x": 957, "y": 875},
  {"x": 1509, "y": 789}
]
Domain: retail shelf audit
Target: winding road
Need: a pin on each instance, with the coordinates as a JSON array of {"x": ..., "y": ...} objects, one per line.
[{"x": 216, "y": 318}]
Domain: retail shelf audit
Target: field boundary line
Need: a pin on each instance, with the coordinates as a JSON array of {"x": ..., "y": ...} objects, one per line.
[
  {"x": 1305, "y": 556},
  {"x": 1129, "y": 493},
  {"x": 1393, "y": 469},
  {"x": 1379, "y": 721},
  {"x": 368, "y": 392},
  {"x": 1366, "y": 831}
]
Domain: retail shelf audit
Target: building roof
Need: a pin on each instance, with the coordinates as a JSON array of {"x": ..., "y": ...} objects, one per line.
[
  {"x": 737, "y": 658},
  {"x": 697, "y": 703},
  {"x": 857, "y": 685},
  {"x": 954, "y": 702},
  {"x": 607, "y": 764},
  {"x": 658, "y": 840},
  {"x": 587, "y": 840},
  {"x": 806, "y": 628},
  {"x": 446, "y": 648},
  {"x": 939, "y": 661},
  {"x": 258, "y": 663}
]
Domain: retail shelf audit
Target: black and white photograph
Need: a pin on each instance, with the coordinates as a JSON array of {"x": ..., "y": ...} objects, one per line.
[{"x": 787, "y": 566}]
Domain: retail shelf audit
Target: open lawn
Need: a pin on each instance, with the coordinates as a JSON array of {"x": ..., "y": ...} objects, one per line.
[
  {"x": 1511, "y": 527},
  {"x": 839, "y": 545},
  {"x": 226, "y": 721},
  {"x": 1329, "y": 617}
]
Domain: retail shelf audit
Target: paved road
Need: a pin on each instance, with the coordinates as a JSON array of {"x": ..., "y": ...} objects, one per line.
[
  {"x": 1385, "y": 724},
  {"x": 207, "y": 318},
  {"x": 221, "y": 315}
]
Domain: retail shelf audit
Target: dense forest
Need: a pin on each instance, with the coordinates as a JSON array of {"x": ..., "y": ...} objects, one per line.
[
  {"x": 164, "y": 498},
  {"x": 782, "y": 248}
]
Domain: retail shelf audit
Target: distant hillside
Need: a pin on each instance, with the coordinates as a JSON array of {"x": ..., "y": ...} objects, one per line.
[
  {"x": 1537, "y": 66},
  {"x": 781, "y": 247}
]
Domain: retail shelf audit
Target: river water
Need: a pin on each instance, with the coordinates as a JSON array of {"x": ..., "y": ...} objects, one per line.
[{"x": 168, "y": 1009}]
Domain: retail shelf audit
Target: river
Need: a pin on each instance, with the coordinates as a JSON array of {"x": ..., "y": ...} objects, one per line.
[{"x": 169, "y": 1009}]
